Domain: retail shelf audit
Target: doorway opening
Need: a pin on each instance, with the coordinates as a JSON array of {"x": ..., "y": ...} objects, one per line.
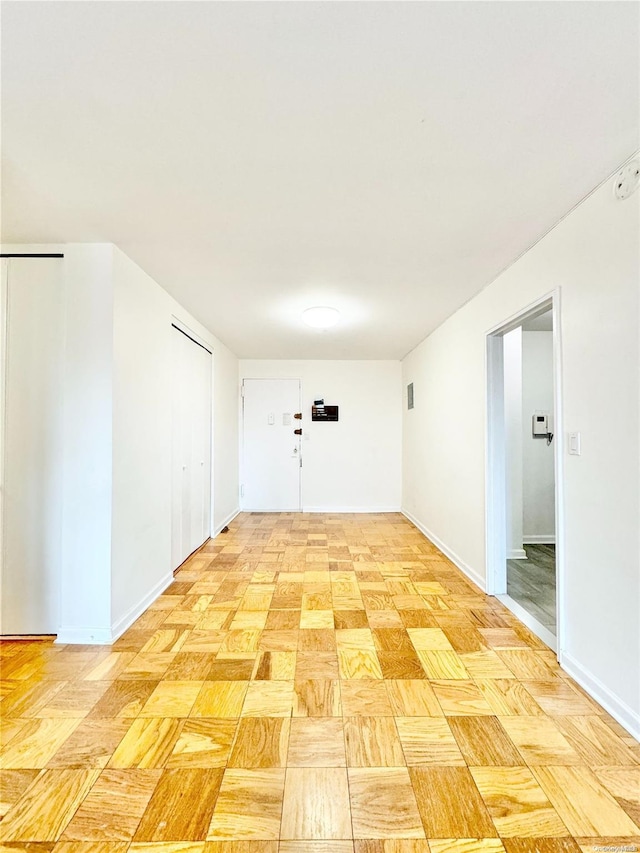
[{"x": 523, "y": 468}]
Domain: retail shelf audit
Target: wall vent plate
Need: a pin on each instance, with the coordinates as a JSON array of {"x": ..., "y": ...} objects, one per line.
[{"x": 627, "y": 180}]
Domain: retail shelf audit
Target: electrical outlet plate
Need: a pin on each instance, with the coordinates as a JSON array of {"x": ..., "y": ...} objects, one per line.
[{"x": 627, "y": 180}]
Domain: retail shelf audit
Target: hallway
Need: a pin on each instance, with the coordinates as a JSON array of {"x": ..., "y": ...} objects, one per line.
[{"x": 312, "y": 684}]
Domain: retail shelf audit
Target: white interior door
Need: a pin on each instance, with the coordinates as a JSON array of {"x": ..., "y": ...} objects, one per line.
[
  {"x": 271, "y": 450},
  {"x": 191, "y": 459},
  {"x": 32, "y": 448}
]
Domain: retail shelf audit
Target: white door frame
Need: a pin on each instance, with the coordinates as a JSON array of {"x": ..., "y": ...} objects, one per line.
[{"x": 495, "y": 482}]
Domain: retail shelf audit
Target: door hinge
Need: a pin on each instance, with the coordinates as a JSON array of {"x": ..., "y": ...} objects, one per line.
[
  {"x": 242, "y": 490},
  {"x": 301, "y": 461},
  {"x": 242, "y": 390}
]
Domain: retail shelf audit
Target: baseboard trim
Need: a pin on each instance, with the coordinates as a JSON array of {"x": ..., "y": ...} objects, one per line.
[
  {"x": 84, "y": 637},
  {"x": 106, "y": 636},
  {"x": 466, "y": 569},
  {"x": 125, "y": 621},
  {"x": 539, "y": 539},
  {"x": 619, "y": 710},
  {"x": 517, "y": 554},
  {"x": 530, "y": 621},
  {"x": 373, "y": 510},
  {"x": 226, "y": 522}
]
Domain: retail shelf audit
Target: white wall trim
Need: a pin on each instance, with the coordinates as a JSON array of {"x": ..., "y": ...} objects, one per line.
[
  {"x": 619, "y": 710},
  {"x": 465, "y": 568},
  {"x": 517, "y": 554},
  {"x": 105, "y": 636},
  {"x": 358, "y": 509},
  {"x": 530, "y": 621},
  {"x": 226, "y": 521},
  {"x": 128, "y": 618},
  {"x": 539, "y": 539},
  {"x": 84, "y": 636}
]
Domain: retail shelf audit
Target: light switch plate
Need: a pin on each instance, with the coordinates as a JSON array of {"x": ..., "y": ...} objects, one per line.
[{"x": 574, "y": 444}]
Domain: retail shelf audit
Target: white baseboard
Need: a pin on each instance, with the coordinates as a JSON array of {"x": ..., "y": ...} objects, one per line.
[
  {"x": 619, "y": 710},
  {"x": 329, "y": 510},
  {"x": 530, "y": 621},
  {"x": 375, "y": 510},
  {"x": 471, "y": 573},
  {"x": 126, "y": 620},
  {"x": 105, "y": 636},
  {"x": 84, "y": 636},
  {"x": 227, "y": 521},
  {"x": 264, "y": 511},
  {"x": 517, "y": 554},
  {"x": 539, "y": 539}
]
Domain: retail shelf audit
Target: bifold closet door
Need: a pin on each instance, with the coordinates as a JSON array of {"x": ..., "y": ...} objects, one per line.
[
  {"x": 32, "y": 323},
  {"x": 191, "y": 425}
]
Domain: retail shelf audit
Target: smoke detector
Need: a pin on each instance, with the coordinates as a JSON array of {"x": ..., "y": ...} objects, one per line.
[{"x": 627, "y": 180}]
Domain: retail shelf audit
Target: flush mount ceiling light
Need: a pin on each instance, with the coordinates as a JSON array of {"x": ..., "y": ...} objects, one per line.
[{"x": 321, "y": 317}]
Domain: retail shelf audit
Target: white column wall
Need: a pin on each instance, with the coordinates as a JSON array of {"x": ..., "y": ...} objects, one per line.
[{"x": 87, "y": 431}]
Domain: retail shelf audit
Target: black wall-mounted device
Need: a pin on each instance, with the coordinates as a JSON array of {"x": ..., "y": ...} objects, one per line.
[{"x": 320, "y": 412}]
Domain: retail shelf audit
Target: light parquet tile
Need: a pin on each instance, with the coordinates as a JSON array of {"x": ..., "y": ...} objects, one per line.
[
  {"x": 172, "y": 815},
  {"x": 585, "y": 806},
  {"x": 48, "y": 805},
  {"x": 249, "y": 805},
  {"x": 373, "y": 742},
  {"x": 147, "y": 744},
  {"x": 517, "y": 803},
  {"x": 113, "y": 808},
  {"x": 316, "y": 804},
  {"x": 311, "y": 684},
  {"x": 36, "y": 743},
  {"x": 383, "y": 803}
]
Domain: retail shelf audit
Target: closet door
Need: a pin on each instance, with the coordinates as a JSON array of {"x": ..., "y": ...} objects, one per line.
[
  {"x": 32, "y": 323},
  {"x": 191, "y": 425}
]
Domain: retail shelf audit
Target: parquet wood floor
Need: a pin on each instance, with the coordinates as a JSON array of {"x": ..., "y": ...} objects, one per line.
[{"x": 311, "y": 684}]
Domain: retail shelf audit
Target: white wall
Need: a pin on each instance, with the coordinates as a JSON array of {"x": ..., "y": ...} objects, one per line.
[
  {"x": 86, "y": 544},
  {"x": 226, "y": 435},
  {"x": 353, "y": 465},
  {"x": 141, "y": 538},
  {"x": 538, "y": 487},
  {"x": 593, "y": 258},
  {"x": 513, "y": 440},
  {"x": 116, "y": 521}
]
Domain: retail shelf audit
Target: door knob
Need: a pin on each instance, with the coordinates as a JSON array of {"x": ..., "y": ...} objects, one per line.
[{"x": 297, "y": 432}]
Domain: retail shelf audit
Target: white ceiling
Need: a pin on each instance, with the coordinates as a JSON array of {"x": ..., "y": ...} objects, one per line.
[{"x": 257, "y": 158}]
